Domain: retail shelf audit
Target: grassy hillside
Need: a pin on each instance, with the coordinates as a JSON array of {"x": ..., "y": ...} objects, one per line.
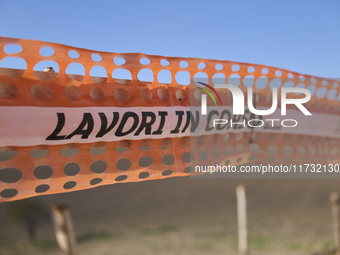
[{"x": 188, "y": 216}]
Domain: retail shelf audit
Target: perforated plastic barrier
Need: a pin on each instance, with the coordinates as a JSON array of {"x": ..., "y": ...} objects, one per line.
[{"x": 63, "y": 131}]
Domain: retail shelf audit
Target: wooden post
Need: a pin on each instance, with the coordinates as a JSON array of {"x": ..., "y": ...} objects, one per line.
[
  {"x": 335, "y": 215},
  {"x": 64, "y": 230},
  {"x": 242, "y": 220}
]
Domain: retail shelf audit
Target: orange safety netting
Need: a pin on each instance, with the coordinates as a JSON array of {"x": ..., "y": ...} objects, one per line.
[{"x": 49, "y": 168}]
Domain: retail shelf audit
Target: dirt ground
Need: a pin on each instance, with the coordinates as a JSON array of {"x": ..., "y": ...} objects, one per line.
[{"x": 188, "y": 216}]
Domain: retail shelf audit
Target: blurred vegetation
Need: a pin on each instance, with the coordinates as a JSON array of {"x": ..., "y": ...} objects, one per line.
[
  {"x": 159, "y": 229},
  {"x": 96, "y": 236},
  {"x": 29, "y": 213},
  {"x": 46, "y": 244}
]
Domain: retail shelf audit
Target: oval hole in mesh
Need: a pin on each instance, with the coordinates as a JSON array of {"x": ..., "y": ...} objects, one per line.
[
  {"x": 69, "y": 185},
  {"x": 7, "y": 153},
  {"x": 96, "y": 57},
  {"x": 261, "y": 82},
  {"x": 226, "y": 137},
  {"x": 71, "y": 169},
  {"x": 248, "y": 80},
  {"x": 145, "y": 161},
  {"x": 42, "y": 67},
  {"x": 239, "y": 136},
  {"x": 235, "y": 68},
  {"x": 73, "y": 54},
  {"x": 163, "y": 93},
  {"x": 187, "y": 157},
  {"x": 164, "y": 62},
  {"x": 251, "y": 69},
  {"x": 167, "y": 172},
  {"x": 166, "y": 143},
  {"x": 122, "y": 76},
  {"x": 168, "y": 159},
  {"x": 73, "y": 92},
  {"x": 275, "y": 83},
  {"x": 219, "y": 67},
  {"x": 272, "y": 149},
  {"x": 43, "y": 172},
  {"x": 164, "y": 77},
  {"x": 181, "y": 95},
  {"x": 278, "y": 73},
  {"x": 285, "y": 159},
  {"x": 123, "y": 164},
  {"x": 98, "y": 74},
  {"x": 311, "y": 150},
  {"x": 201, "y": 77},
  {"x": 95, "y": 181},
  {"x": 75, "y": 71},
  {"x": 144, "y": 61},
  {"x": 333, "y": 151},
  {"x": 123, "y": 146},
  {"x": 271, "y": 159},
  {"x": 119, "y": 61},
  {"x": 201, "y": 65},
  {"x": 227, "y": 151},
  {"x": 15, "y": 66},
  {"x": 97, "y": 94},
  {"x": 10, "y": 175},
  {"x": 254, "y": 148},
  {"x": 145, "y": 145},
  {"x": 182, "y": 77},
  {"x": 143, "y": 175},
  {"x": 8, "y": 193},
  {"x": 46, "y": 51},
  {"x": 41, "y": 92},
  {"x": 265, "y": 71},
  {"x": 321, "y": 92},
  {"x": 8, "y": 90},
  {"x": 217, "y": 153},
  {"x": 234, "y": 79},
  {"x": 201, "y": 140},
  {"x": 40, "y": 151},
  {"x": 184, "y": 141},
  {"x": 98, "y": 148},
  {"x": 287, "y": 149},
  {"x": 251, "y": 157},
  {"x": 98, "y": 166},
  {"x": 122, "y": 95},
  {"x": 198, "y": 94},
  {"x": 183, "y": 64},
  {"x": 146, "y": 94},
  {"x": 218, "y": 78},
  {"x": 12, "y": 48},
  {"x": 121, "y": 178},
  {"x": 69, "y": 150},
  {"x": 42, "y": 188},
  {"x": 204, "y": 155},
  {"x": 239, "y": 149}
]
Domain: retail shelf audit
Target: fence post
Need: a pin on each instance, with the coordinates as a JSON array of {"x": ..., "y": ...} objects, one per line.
[
  {"x": 335, "y": 215},
  {"x": 242, "y": 220},
  {"x": 64, "y": 231}
]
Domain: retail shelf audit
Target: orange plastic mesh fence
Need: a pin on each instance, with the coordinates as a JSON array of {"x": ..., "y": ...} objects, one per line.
[{"x": 30, "y": 100}]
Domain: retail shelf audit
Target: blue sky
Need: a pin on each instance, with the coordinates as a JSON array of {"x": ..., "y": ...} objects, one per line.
[{"x": 302, "y": 36}]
